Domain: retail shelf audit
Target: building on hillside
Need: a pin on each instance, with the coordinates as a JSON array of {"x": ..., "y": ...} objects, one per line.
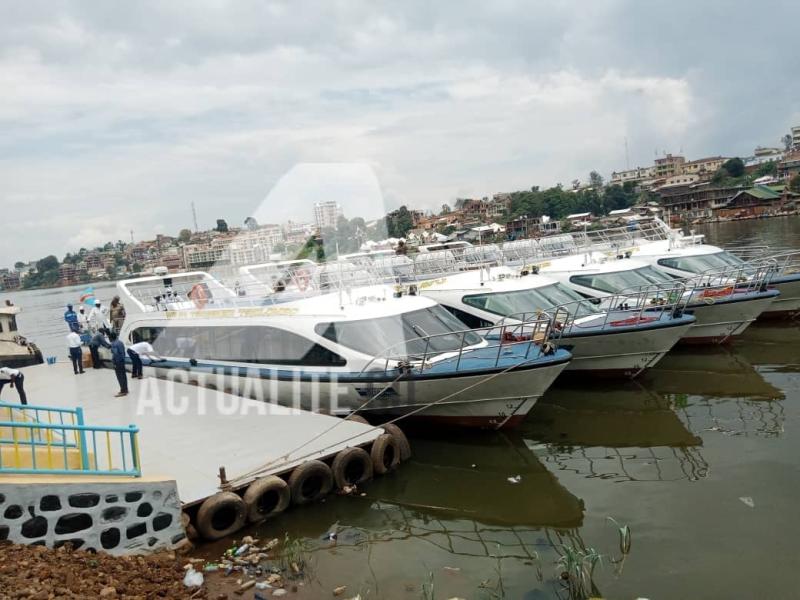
[
  {"x": 67, "y": 274},
  {"x": 703, "y": 167},
  {"x": 9, "y": 280},
  {"x": 789, "y": 166},
  {"x": 762, "y": 156},
  {"x": 796, "y": 137},
  {"x": 669, "y": 165},
  {"x": 326, "y": 214},
  {"x": 172, "y": 259},
  {"x": 694, "y": 201},
  {"x": 766, "y": 151},
  {"x": 204, "y": 256},
  {"x": 636, "y": 175},
  {"x": 757, "y": 201},
  {"x": 579, "y": 219},
  {"x": 524, "y": 227},
  {"x": 681, "y": 178}
]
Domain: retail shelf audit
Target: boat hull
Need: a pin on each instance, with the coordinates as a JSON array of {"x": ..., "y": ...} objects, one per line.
[
  {"x": 719, "y": 322},
  {"x": 621, "y": 354},
  {"x": 788, "y": 303},
  {"x": 486, "y": 400}
]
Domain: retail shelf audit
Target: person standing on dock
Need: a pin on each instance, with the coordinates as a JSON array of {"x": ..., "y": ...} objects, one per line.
[
  {"x": 16, "y": 379},
  {"x": 117, "y": 314},
  {"x": 83, "y": 320},
  {"x": 136, "y": 351},
  {"x": 118, "y": 358},
  {"x": 75, "y": 352},
  {"x": 98, "y": 339},
  {"x": 97, "y": 318},
  {"x": 71, "y": 319}
]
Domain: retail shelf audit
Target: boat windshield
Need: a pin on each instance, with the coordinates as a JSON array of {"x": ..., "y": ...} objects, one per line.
[
  {"x": 402, "y": 334},
  {"x": 701, "y": 263},
  {"x": 531, "y": 301},
  {"x": 618, "y": 281}
]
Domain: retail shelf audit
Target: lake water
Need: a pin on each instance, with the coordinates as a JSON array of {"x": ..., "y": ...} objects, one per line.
[{"x": 698, "y": 457}]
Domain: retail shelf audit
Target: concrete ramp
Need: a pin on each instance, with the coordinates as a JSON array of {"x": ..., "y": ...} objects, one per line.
[{"x": 187, "y": 433}]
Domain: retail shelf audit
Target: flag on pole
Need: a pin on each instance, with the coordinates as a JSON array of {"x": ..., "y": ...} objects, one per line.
[{"x": 87, "y": 297}]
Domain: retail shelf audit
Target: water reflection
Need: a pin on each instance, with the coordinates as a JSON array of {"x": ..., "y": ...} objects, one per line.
[{"x": 625, "y": 433}]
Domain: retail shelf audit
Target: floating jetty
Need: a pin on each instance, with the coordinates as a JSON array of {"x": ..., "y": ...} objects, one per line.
[{"x": 232, "y": 459}]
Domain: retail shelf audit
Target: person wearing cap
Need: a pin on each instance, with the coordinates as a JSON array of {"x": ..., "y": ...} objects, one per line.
[
  {"x": 117, "y": 314},
  {"x": 16, "y": 379},
  {"x": 71, "y": 319},
  {"x": 97, "y": 317},
  {"x": 75, "y": 352},
  {"x": 83, "y": 320}
]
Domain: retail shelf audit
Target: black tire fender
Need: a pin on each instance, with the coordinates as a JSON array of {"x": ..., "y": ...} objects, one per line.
[
  {"x": 351, "y": 466},
  {"x": 310, "y": 482},
  {"x": 266, "y": 497},
  {"x": 385, "y": 454},
  {"x": 221, "y": 515},
  {"x": 402, "y": 440}
]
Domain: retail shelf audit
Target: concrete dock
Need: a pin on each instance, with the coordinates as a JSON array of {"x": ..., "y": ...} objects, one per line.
[{"x": 187, "y": 433}]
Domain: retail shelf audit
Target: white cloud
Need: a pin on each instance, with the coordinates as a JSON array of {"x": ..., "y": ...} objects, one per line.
[{"x": 116, "y": 117}]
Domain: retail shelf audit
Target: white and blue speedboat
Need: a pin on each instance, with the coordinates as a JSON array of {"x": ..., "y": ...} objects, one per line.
[{"x": 370, "y": 349}]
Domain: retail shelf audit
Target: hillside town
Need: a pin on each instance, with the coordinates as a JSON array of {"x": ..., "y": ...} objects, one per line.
[{"x": 680, "y": 190}]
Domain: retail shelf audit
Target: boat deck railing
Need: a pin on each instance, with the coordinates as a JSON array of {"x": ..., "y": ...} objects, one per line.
[
  {"x": 491, "y": 347},
  {"x": 44, "y": 440},
  {"x": 646, "y": 305}
]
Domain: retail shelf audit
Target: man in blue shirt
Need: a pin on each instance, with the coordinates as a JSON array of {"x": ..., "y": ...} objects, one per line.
[
  {"x": 118, "y": 358},
  {"x": 98, "y": 339},
  {"x": 71, "y": 317}
]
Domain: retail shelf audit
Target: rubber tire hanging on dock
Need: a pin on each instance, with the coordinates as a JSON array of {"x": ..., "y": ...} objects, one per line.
[
  {"x": 357, "y": 419},
  {"x": 221, "y": 515},
  {"x": 346, "y": 462},
  {"x": 402, "y": 440},
  {"x": 310, "y": 482},
  {"x": 266, "y": 497},
  {"x": 385, "y": 454}
]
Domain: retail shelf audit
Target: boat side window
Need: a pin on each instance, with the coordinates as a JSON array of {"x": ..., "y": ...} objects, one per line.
[
  {"x": 402, "y": 335},
  {"x": 12, "y": 323},
  {"x": 471, "y": 321},
  {"x": 592, "y": 281},
  {"x": 251, "y": 344}
]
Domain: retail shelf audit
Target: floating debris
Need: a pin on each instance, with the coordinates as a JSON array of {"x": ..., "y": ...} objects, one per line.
[{"x": 748, "y": 501}]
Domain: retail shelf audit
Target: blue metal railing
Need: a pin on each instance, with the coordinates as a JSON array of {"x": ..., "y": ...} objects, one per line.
[{"x": 30, "y": 446}]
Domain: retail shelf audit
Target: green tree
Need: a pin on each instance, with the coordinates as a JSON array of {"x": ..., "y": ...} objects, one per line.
[
  {"x": 399, "y": 222},
  {"x": 185, "y": 235},
  {"x": 18, "y": 265},
  {"x": 768, "y": 168},
  {"x": 787, "y": 142},
  {"x": 794, "y": 184},
  {"x": 595, "y": 180},
  {"x": 734, "y": 167},
  {"x": 48, "y": 263},
  {"x": 136, "y": 268}
]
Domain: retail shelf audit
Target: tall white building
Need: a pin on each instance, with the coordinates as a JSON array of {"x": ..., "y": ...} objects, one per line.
[
  {"x": 327, "y": 213},
  {"x": 796, "y": 137}
]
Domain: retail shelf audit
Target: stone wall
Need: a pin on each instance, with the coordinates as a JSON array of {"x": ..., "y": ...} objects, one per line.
[{"x": 125, "y": 517}]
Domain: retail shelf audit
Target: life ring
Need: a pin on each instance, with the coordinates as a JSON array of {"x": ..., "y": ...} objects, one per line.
[
  {"x": 351, "y": 466},
  {"x": 303, "y": 278},
  {"x": 221, "y": 515},
  {"x": 402, "y": 440},
  {"x": 385, "y": 454},
  {"x": 310, "y": 481},
  {"x": 266, "y": 497},
  {"x": 198, "y": 295}
]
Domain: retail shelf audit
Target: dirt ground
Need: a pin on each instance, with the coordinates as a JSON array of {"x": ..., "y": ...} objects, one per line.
[{"x": 39, "y": 573}]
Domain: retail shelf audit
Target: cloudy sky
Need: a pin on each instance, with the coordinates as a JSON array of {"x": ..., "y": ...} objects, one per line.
[{"x": 116, "y": 116}]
